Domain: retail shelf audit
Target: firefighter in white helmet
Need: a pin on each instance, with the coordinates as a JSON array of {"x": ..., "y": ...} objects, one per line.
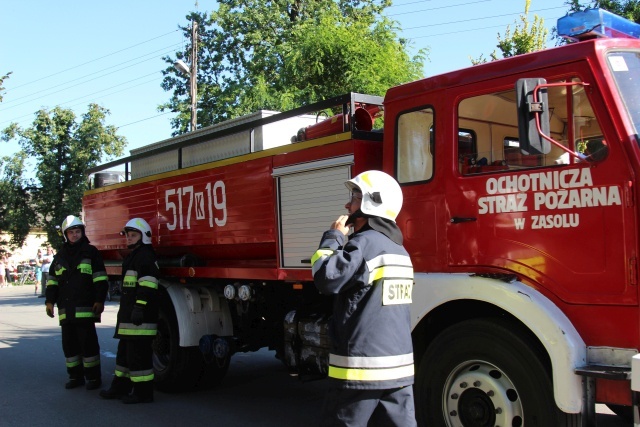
[
  {"x": 137, "y": 318},
  {"x": 370, "y": 276},
  {"x": 78, "y": 285}
]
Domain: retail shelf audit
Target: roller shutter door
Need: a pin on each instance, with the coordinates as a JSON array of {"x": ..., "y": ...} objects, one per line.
[{"x": 311, "y": 197}]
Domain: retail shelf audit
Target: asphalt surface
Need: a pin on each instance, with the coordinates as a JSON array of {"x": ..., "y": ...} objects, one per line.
[{"x": 257, "y": 390}]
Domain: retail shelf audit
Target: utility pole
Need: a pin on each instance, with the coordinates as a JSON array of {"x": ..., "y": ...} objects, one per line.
[
  {"x": 192, "y": 72},
  {"x": 193, "y": 75}
]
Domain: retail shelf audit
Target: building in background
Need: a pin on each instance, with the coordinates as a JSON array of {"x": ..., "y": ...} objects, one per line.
[{"x": 35, "y": 240}]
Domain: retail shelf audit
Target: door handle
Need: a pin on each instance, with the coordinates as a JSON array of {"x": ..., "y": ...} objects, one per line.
[{"x": 458, "y": 219}]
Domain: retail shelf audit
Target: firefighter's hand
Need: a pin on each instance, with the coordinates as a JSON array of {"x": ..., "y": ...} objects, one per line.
[
  {"x": 49, "y": 309},
  {"x": 98, "y": 308},
  {"x": 137, "y": 315},
  {"x": 340, "y": 224}
]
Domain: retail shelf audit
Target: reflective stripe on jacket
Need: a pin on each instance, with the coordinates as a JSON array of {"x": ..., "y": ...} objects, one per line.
[
  {"x": 139, "y": 288},
  {"x": 77, "y": 280},
  {"x": 371, "y": 279}
]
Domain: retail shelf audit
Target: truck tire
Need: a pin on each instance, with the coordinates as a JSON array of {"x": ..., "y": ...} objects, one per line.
[
  {"x": 486, "y": 372},
  {"x": 176, "y": 368}
]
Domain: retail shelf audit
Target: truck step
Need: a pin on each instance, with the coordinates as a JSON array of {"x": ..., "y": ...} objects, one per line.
[{"x": 617, "y": 373}]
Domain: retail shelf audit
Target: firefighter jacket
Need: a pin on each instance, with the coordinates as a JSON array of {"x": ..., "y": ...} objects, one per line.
[
  {"x": 77, "y": 280},
  {"x": 371, "y": 279},
  {"x": 139, "y": 289}
]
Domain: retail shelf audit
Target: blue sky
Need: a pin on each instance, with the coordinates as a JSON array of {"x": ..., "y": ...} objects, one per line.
[{"x": 72, "y": 53}]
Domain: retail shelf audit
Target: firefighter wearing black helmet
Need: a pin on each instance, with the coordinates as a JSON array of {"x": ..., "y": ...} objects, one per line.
[
  {"x": 370, "y": 276},
  {"x": 137, "y": 323},
  {"x": 78, "y": 285}
]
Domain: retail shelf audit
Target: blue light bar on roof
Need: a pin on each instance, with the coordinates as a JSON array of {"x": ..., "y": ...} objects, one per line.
[{"x": 592, "y": 23}]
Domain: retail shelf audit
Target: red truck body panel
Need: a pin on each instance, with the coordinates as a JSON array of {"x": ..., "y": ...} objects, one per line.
[{"x": 223, "y": 214}]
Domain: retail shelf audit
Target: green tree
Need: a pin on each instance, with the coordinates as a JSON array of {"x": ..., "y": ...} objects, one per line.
[
  {"x": 63, "y": 150},
  {"x": 2, "y": 79},
  {"x": 255, "y": 55},
  {"x": 526, "y": 37},
  {"x": 16, "y": 212}
]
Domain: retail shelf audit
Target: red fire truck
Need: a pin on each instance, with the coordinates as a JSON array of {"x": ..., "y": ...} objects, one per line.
[{"x": 520, "y": 213}]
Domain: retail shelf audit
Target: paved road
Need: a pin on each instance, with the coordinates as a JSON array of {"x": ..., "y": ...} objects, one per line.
[{"x": 256, "y": 392}]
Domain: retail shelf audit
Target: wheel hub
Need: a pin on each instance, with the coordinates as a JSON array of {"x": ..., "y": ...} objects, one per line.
[
  {"x": 476, "y": 408},
  {"x": 478, "y": 394}
]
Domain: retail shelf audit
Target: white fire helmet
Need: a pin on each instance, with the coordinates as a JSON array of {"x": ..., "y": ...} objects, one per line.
[
  {"x": 381, "y": 194},
  {"x": 71, "y": 221},
  {"x": 140, "y": 225}
]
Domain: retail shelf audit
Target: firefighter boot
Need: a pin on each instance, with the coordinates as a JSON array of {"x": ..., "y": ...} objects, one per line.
[
  {"x": 73, "y": 383},
  {"x": 142, "y": 393},
  {"x": 120, "y": 387},
  {"x": 93, "y": 384},
  {"x": 75, "y": 372},
  {"x": 92, "y": 372}
]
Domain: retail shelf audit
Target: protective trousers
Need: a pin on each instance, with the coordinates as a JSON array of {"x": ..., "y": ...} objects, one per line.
[
  {"x": 372, "y": 408},
  {"x": 81, "y": 350},
  {"x": 134, "y": 361}
]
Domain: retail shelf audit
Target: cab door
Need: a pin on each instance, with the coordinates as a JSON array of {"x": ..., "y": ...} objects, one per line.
[
  {"x": 418, "y": 165},
  {"x": 561, "y": 221}
]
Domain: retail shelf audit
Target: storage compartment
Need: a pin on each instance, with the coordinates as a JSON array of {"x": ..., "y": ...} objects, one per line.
[{"x": 311, "y": 195}]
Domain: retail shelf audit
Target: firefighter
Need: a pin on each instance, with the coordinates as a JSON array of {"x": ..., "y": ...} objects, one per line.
[
  {"x": 77, "y": 284},
  {"x": 137, "y": 318},
  {"x": 370, "y": 277}
]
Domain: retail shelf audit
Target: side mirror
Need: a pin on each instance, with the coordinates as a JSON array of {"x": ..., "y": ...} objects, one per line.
[{"x": 530, "y": 139}]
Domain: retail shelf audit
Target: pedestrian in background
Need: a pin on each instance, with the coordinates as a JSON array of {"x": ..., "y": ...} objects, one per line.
[
  {"x": 370, "y": 276},
  {"x": 3, "y": 269},
  {"x": 38, "y": 268},
  {"x": 46, "y": 264},
  {"x": 78, "y": 286},
  {"x": 137, "y": 323},
  {"x": 12, "y": 273}
]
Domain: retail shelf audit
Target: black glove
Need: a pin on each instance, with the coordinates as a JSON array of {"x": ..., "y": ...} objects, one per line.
[
  {"x": 137, "y": 315},
  {"x": 49, "y": 309}
]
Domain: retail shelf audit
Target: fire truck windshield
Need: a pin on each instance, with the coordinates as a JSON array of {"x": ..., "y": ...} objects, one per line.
[{"x": 625, "y": 67}]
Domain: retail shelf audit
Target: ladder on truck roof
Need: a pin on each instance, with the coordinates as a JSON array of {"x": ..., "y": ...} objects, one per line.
[{"x": 176, "y": 153}]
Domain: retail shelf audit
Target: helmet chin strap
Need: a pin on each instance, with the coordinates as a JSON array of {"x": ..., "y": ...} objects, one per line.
[
  {"x": 382, "y": 225},
  {"x": 136, "y": 244},
  {"x": 352, "y": 218}
]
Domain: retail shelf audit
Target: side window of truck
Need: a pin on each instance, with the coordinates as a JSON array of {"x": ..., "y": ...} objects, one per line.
[
  {"x": 467, "y": 149},
  {"x": 493, "y": 120},
  {"x": 515, "y": 157},
  {"x": 415, "y": 145},
  {"x": 584, "y": 137}
]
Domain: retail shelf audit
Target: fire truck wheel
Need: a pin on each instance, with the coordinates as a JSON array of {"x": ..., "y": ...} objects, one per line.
[
  {"x": 178, "y": 368},
  {"x": 486, "y": 372}
]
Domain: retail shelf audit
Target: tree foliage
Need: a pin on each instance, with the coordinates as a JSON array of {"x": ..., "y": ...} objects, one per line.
[
  {"x": 2, "y": 79},
  {"x": 16, "y": 212},
  {"x": 255, "y": 55},
  {"x": 526, "y": 37},
  {"x": 62, "y": 150}
]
